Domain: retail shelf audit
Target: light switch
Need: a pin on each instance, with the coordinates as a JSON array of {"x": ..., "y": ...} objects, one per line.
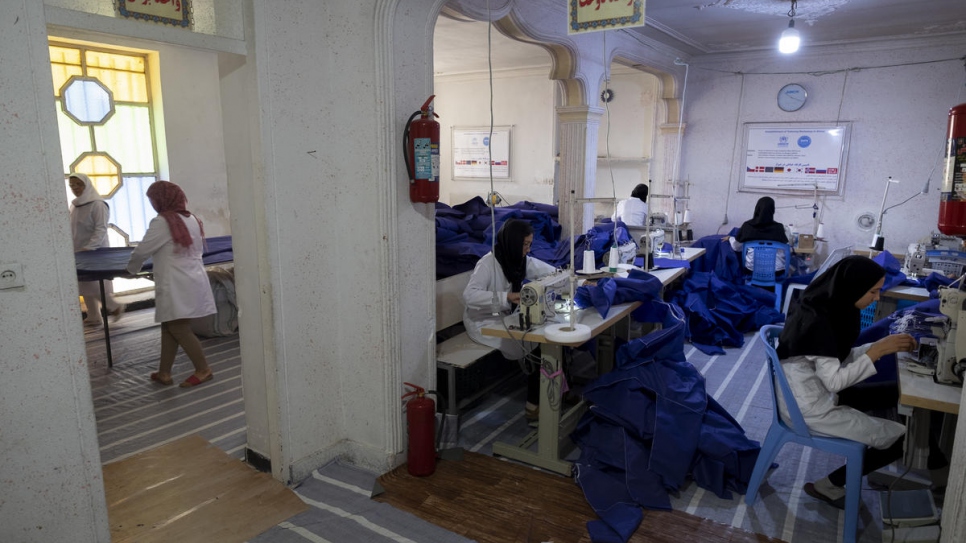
[{"x": 11, "y": 275}]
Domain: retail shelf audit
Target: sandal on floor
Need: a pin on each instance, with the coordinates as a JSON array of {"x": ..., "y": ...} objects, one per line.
[
  {"x": 193, "y": 381},
  {"x": 157, "y": 379},
  {"x": 813, "y": 492}
]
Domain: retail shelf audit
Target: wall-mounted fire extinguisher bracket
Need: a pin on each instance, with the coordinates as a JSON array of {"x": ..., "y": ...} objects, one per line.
[
  {"x": 421, "y": 422},
  {"x": 421, "y": 153}
]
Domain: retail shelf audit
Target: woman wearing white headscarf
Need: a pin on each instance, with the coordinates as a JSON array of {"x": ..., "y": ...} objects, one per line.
[{"x": 89, "y": 214}]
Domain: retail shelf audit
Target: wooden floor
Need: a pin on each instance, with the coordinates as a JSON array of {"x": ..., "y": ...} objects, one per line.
[{"x": 495, "y": 501}]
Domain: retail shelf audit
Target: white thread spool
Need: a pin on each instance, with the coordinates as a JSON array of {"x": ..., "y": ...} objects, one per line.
[
  {"x": 820, "y": 232},
  {"x": 590, "y": 266},
  {"x": 612, "y": 260},
  {"x": 687, "y": 216}
]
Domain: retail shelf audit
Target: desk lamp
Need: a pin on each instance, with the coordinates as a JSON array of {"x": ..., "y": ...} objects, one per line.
[{"x": 878, "y": 242}]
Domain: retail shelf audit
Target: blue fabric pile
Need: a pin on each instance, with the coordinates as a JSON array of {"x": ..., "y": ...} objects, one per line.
[
  {"x": 464, "y": 233},
  {"x": 719, "y": 308},
  {"x": 652, "y": 426}
]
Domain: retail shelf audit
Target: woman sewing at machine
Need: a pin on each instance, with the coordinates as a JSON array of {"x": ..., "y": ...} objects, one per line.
[
  {"x": 633, "y": 211},
  {"x": 761, "y": 227},
  {"x": 817, "y": 354},
  {"x": 495, "y": 287}
]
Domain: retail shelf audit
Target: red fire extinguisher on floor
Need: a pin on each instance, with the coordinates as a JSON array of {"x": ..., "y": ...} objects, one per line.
[
  {"x": 421, "y": 419},
  {"x": 952, "y": 200},
  {"x": 421, "y": 152}
]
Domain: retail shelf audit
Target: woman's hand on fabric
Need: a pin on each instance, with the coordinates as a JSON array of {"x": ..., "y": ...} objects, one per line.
[
  {"x": 513, "y": 297},
  {"x": 891, "y": 344}
]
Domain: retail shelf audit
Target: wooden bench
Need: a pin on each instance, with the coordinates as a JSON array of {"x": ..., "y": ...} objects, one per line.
[{"x": 458, "y": 352}]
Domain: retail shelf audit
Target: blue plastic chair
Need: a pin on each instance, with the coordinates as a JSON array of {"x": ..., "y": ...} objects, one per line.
[
  {"x": 763, "y": 272},
  {"x": 781, "y": 433}
]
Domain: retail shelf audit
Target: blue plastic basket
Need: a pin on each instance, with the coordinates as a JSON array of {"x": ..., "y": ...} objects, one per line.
[{"x": 868, "y": 315}]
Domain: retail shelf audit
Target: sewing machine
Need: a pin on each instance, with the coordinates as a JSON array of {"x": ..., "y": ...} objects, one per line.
[
  {"x": 935, "y": 253},
  {"x": 951, "y": 346},
  {"x": 538, "y": 298}
]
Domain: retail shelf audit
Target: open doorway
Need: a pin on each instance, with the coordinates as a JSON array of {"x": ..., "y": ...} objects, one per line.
[{"x": 125, "y": 128}]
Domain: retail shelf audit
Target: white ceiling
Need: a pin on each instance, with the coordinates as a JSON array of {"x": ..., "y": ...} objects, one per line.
[{"x": 722, "y": 26}]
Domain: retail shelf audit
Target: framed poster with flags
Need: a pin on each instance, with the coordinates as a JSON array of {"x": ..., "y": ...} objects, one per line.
[{"x": 795, "y": 157}]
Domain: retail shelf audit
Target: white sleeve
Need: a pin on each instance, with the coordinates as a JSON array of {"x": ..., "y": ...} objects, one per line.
[
  {"x": 157, "y": 235},
  {"x": 478, "y": 293},
  {"x": 537, "y": 268},
  {"x": 735, "y": 244},
  {"x": 99, "y": 216},
  {"x": 837, "y": 375}
]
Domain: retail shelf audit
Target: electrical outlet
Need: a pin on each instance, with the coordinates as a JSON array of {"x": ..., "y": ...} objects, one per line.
[{"x": 11, "y": 275}]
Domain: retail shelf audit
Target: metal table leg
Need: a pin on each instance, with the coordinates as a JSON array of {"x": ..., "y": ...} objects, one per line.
[
  {"x": 107, "y": 327},
  {"x": 553, "y": 434}
]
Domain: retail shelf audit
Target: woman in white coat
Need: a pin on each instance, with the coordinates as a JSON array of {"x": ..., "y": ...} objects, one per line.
[
  {"x": 633, "y": 210},
  {"x": 817, "y": 354},
  {"x": 175, "y": 241},
  {"x": 89, "y": 215},
  {"x": 495, "y": 287}
]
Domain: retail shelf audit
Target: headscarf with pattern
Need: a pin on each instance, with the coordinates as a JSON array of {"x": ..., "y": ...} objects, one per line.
[{"x": 170, "y": 202}]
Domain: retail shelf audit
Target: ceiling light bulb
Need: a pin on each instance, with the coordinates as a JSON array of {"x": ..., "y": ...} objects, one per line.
[{"x": 790, "y": 39}]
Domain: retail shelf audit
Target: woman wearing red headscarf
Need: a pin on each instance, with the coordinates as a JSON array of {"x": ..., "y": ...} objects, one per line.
[{"x": 174, "y": 241}]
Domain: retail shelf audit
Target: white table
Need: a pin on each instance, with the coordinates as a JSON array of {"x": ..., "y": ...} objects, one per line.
[
  {"x": 553, "y": 433},
  {"x": 889, "y": 299}
]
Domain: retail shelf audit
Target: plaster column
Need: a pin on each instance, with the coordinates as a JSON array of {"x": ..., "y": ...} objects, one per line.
[{"x": 578, "y": 164}]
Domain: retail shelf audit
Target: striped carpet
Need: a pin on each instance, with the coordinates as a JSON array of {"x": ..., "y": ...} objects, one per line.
[{"x": 134, "y": 415}]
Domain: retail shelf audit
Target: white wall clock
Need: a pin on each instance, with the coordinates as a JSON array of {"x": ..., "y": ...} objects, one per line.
[{"x": 792, "y": 97}]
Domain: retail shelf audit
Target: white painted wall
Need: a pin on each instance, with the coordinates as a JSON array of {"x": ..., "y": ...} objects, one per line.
[
  {"x": 51, "y": 470},
  {"x": 899, "y": 112},
  {"x": 626, "y": 135},
  {"x": 525, "y": 102}
]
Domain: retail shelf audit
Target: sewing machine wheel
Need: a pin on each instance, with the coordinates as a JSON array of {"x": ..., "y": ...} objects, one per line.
[{"x": 528, "y": 296}]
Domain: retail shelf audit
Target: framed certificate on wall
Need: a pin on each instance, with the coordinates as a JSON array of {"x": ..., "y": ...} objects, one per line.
[
  {"x": 795, "y": 157},
  {"x": 476, "y": 148}
]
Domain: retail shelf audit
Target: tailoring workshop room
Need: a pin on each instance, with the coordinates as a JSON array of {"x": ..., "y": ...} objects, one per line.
[{"x": 482, "y": 270}]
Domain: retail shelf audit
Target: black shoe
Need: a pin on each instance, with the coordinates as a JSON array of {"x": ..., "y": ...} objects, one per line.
[{"x": 813, "y": 492}]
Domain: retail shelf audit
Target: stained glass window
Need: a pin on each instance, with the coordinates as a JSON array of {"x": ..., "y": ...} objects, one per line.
[{"x": 105, "y": 119}]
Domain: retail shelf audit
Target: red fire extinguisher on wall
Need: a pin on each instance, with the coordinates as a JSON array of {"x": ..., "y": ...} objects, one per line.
[
  {"x": 952, "y": 201},
  {"x": 421, "y": 152},
  {"x": 421, "y": 419}
]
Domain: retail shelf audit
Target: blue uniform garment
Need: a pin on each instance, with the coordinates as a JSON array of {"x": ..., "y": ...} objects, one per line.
[
  {"x": 933, "y": 281},
  {"x": 650, "y": 426},
  {"x": 719, "y": 312},
  {"x": 637, "y": 286},
  {"x": 894, "y": 277}
]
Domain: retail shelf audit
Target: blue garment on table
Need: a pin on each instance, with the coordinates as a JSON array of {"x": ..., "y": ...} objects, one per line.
[
  {"x": 637, "y": 286},
  {"x": 894, "y": 277},
  {"x": 650, "y": 426}
]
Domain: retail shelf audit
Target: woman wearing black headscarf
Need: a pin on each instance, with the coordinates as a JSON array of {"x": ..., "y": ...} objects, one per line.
[
  {"x": 495, "y": 287},
  {"x": 761, "y": 227},
  {"x": 817, "y": 354}
]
